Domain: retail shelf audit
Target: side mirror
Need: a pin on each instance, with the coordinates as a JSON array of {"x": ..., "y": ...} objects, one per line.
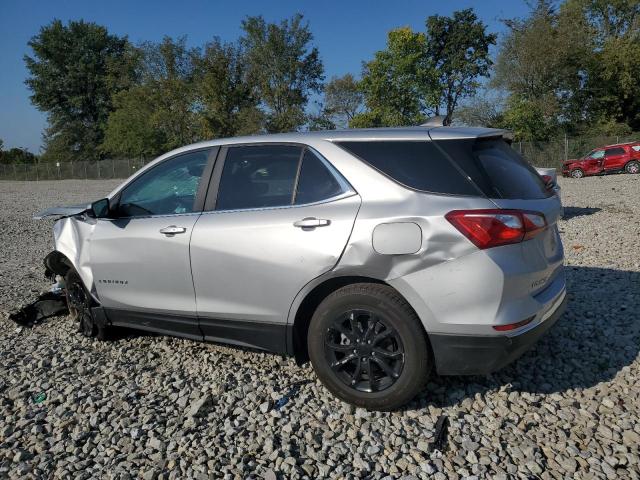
[{"x": 100, "y": 208}]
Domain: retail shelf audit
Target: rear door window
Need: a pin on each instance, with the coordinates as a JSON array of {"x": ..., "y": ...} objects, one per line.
[
  {"x": 612, "y": 152},
  {"x": 258, "y": 176},
  {"x": 419, "y": 165}
]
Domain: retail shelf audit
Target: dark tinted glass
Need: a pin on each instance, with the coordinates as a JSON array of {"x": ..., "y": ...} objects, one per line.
[
  {"x": 167, "y": 188},
  {"x": 614, "y": 151},
  {"x": 497, "y": 169},
  {"x": 316, "y": 182},
  {"x": 258, "y": 176},
  {"x": 416, "y": 164}
]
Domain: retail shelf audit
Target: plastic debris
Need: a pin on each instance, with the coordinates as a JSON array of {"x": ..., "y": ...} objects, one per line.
[
  {"x": 58, "y": 287},
  {"x": 49, "y": 304},
  {"x": 294, "y": 388},
  {"x": 40, "y": 397},
  {"x": 440, "y": 435}
]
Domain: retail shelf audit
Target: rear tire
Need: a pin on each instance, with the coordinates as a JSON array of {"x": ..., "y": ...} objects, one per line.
[
  {"x": 577, "y": 173},
  {"x": 79, "y": 302},
  {"x": 632, "y": 167},
  {"x": 368, "y": 347}
]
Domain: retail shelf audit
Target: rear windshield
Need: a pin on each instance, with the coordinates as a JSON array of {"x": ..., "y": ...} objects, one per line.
[
  {"x": 488, "y": 167},
  {"x": 496, "y": 168},
  {"x": 416, "y": 164}
]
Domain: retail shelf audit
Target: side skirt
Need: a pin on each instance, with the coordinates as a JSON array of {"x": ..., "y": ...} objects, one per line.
[{"x": 271, "y": 337}]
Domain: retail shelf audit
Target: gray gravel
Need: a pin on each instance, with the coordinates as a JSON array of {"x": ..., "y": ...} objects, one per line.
[{"x": 156, "y": 407}]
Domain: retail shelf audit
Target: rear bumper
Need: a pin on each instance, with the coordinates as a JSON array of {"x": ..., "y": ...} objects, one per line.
[{"x": 480, "y": 355}]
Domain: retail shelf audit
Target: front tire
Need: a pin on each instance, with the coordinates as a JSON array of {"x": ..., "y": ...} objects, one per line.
[
  {"x": 577, "y": 173},
  {"x": 79, "y": 302},
  {"x": 368, "y": 347},
  {"x": 632, "y": 167}
]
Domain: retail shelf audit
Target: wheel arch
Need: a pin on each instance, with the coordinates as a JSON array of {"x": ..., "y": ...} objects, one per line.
[{"x": 300, "y": 316}]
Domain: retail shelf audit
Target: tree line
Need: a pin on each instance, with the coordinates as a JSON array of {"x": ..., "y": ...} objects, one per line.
[{"x": 570, "y": 68}]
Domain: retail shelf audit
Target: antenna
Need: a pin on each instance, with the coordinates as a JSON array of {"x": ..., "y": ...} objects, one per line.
[{"x": 437, "y": 121}]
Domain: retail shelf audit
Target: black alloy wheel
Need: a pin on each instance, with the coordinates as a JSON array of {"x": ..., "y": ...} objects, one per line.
[
  {"x": 368, "y": 346},
  {"x": 364, "y": 351}
]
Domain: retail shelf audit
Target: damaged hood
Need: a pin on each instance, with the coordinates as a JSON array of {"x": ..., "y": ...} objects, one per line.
[{"x": 68, "y": 211}]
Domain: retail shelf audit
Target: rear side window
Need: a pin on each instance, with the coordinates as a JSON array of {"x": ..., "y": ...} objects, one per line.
[
  {"x": 316, "y": 182},
  {"x": 416, "y": 164},
  {"x": 497, "y": 169}
]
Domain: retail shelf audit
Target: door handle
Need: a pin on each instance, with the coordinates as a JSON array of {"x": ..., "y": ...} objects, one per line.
[
  {"x": 312, "y": 222},
  {"x": 172, "y": 230}
]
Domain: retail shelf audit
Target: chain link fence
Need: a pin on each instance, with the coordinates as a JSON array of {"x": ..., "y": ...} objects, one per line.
[
  {"x": 103, "y": 169},
  {"x": 539, "y": 154}
]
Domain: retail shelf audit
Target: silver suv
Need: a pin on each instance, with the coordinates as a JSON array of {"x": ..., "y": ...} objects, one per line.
[{"x": 380, "y": 254}]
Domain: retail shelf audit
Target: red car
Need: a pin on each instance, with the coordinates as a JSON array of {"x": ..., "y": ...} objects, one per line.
[{"x": 623, "y": 157}]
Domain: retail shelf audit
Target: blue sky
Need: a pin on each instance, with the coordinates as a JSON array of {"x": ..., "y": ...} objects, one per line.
[{"x": 346, "y": 32}]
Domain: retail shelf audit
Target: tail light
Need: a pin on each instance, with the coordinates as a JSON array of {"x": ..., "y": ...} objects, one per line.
[
  {"x": 495, "y": 227},
  {"x": 548, "y": 181}
]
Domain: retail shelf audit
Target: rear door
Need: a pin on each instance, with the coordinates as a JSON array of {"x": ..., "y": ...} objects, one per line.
[
  {"x": 276, "y": 217},
  {"x": 615, "y": 158}
]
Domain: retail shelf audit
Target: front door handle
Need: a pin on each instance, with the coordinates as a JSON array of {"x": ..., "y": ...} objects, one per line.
[
  {"x": 172, "y": 230},
  {"x": 312, "y": 222}
]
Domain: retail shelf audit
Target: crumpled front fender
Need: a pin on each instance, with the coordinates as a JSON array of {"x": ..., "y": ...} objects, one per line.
[{"x": 72, "y": 236}]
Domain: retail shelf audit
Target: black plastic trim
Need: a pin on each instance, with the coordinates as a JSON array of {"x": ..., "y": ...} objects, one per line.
[
  {"x": 481, "y": 355},
  {"x": 271, "y": 337},
  {"x": 168, "y": 324},
  {"x": 268, "y": 336}
]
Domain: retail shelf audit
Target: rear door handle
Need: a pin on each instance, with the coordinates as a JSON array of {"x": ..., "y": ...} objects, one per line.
[
  {"x": 172, "y": 230},
  {"x": 312, "y": 222}
]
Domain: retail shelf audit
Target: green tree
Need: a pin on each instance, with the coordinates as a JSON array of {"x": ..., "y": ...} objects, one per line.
[
  {"x": 158, "y": 114},
  {"x": 17, "y": 155},
  {"x": 458, "y": 51},
  {"x": 284, "y": 67},
  {"x": 541, "y": 64},
  {"x": 343, "y": 100},
  {"x": 483, "y": 110},
  {"x": 398, "y": 84},
  {"x": 133, "y": 130},
  {"x": 74, "y": 71},
  {"x": 226, "y": 99},
  {"x": 426, "y": 73}
]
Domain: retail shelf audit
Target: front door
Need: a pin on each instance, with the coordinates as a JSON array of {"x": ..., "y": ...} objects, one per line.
[
  {"x": 140, "y": 258},
  {"x": 593, "y": 162},
  {"x": 282, "y": 217}
]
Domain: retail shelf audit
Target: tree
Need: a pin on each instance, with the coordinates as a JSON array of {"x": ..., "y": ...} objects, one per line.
[
  {"x": 73, "y": 74},
  {"x": 158, "y": 114},
  {"x": 542, "y": 63},
  {"x": 284, "y": 67},
  {"x": 343, "y": 100},
  {"x": 227, "y": 105},
  {"x": 132, "y": 129},
  {"x": 398, "y": 84},
  {"x": 458, "y": 51},
  {"x": 426, "y": 73},
  {"x": 483, "y": 110}
]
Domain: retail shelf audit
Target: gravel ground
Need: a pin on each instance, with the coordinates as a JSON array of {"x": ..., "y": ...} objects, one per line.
[{"x": 156, "y": 407}]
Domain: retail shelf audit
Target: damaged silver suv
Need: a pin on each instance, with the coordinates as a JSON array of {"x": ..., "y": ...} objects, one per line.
[{"x": 380, "y": 255}]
